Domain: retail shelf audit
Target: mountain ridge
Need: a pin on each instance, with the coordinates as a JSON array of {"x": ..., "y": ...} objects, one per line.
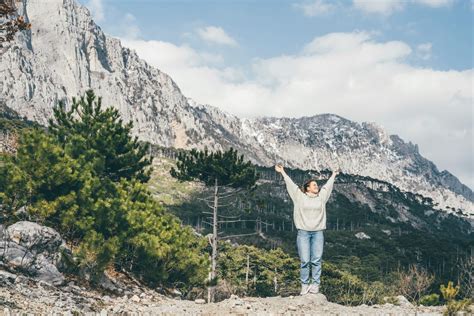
[{"x": 66, "y": 53}]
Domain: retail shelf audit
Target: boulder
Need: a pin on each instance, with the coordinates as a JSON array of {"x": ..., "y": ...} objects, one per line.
[{"x": 33, "y": 249}]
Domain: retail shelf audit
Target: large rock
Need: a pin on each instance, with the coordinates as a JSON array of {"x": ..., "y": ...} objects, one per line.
[{"x": 33, "y": 249}]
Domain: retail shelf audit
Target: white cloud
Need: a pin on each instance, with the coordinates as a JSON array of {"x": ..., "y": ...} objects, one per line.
[
  {"x": 423, "y": 51},
  {"x": 314, "y": 8},
  {"x": 216, "y": 35},
  {"x": 435, "y": 3},
  {"x": 384, "y": 7},
  {"x": 130, "y": 28},
  {"x": 97, "y": 9},
  {"x": 387, "y": 7},
  {"x": 171, "y": 58},
  {"x": 349, "y": 74}
]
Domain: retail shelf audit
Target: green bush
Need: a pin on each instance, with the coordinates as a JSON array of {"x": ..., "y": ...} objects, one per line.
[
  {"x": 344, "y": 288},
  {"x": 429, "y": 300},
  {"x": 268, "y": 273},
  {"x": 455, "y": 306}
]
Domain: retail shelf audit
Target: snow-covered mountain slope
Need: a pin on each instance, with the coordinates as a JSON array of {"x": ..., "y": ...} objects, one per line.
[
  {"x": 328, "y": 140},
  {"x": 66, "y": 53}
]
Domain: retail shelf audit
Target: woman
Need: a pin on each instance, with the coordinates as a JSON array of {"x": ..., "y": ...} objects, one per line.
[{"x": 309, "y": 216}]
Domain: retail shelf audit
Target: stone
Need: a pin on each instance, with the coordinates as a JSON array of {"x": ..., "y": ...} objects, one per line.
[
  {"x": 362, "y": 235},
  {"x": 7, "y": 276},
  {"x": 403, "y": 301},
  {"x": 176, "y": 292},
  {"x": 34, "y": 249},
  {"x": 135, "y": 299},
  {"x": 199, "y": 301},
  {"x": 291, "y": 308}
]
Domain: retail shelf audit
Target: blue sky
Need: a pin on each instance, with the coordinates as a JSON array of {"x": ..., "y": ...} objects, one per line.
[
  {"x": 406, "y": 65},
  {"x": 266, "y": 28}
]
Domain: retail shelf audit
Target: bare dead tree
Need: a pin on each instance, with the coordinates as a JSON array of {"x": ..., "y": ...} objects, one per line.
[
  {"x": 466, "y": 275},
  {"x": 414, "y": 282}
]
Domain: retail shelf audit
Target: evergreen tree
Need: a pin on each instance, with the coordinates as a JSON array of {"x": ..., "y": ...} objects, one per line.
[
  {"x": 91, "y": 134},
  {"x": 219, "y": 170}
]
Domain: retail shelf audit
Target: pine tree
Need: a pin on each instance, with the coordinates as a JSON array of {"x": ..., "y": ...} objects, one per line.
[
  {"x": 92, "y": 134},
  {"x": 219, "y": 170}
]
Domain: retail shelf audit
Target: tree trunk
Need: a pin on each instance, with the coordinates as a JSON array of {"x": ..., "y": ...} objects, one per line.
[
  {"x": 214, "y": 241},
  {"x": 247, "y": 272},
  {"x": 275, "y": 282}
]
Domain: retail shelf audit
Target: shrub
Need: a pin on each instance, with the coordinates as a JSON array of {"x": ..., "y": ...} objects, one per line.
[{"x": 429, "y": 300}]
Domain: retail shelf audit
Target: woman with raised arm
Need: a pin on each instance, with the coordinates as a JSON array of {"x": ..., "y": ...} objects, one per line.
[{"x": 309, "y": 216}]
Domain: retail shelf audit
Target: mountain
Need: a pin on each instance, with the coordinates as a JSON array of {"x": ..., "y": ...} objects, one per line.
[{"x": 66, "y": 53}]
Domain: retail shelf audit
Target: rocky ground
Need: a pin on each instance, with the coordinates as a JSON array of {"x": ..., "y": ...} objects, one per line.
[{"x": 20, "y": 294}]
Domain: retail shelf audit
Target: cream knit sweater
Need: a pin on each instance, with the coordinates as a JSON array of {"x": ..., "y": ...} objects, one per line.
[{"x": 309, "y": 210}]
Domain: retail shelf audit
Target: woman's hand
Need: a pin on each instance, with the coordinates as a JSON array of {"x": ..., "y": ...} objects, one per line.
[
  {"x": 279, "y": 168},
  {"x": 336, "y": 172}
]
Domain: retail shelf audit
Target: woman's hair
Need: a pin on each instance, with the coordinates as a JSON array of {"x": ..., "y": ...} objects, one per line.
[{"x": 305, "y": 186}]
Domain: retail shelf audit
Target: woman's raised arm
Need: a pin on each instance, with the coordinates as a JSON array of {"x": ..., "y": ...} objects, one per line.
[
  {"x": 291, "y": 187},
  {"x": 327, "y": 187}
]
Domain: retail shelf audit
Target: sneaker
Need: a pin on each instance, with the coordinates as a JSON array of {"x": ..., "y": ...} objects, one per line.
[
  {"x": 314, "y": 289},
  {"x": 305, "y": 289}
]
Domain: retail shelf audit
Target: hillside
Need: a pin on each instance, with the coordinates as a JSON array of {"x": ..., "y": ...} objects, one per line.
[{"x": 373, "y": 227}]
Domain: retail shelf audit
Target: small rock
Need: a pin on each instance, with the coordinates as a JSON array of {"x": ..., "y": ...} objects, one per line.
[
  {"x": 402, "y": 300},
  {"x": 4, "y": 275},
  {"x": 238, "y": 303},
  {"x": 234, "y": 297},
  {"x": 143, "y": 295},
  {"x": 176, "y": 292},
  {"x": 291, "y": 308},
  {"x": 116, "y": 309},
  {"x": 135, "y": 299},
  {"x": 362, "y": 235},
  {"x": 199, "y": 301}
]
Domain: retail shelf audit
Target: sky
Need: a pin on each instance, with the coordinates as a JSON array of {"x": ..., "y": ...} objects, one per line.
[{"x": 405, "y": 64}]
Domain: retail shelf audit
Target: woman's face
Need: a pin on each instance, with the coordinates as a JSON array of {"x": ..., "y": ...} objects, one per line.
[{"x": 313, "y": 187}]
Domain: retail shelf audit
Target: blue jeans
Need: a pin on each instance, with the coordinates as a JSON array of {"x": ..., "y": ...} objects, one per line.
[{"x": 310, "y": 249}]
